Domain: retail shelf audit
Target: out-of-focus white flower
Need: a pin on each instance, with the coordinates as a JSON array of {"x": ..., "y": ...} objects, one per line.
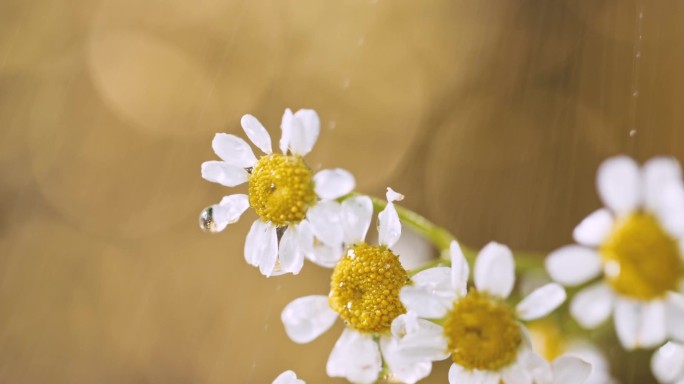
[
  {"x": 667, "y": 363},
  {"x": 634, "y": 244},
  {"x": 364, "y": 292},
  {"x": 288, "y": 377},
  {"x": 481, "y": 331},
  {"x": 550, "y": 343},
  {"x": 292, "y": 203}
]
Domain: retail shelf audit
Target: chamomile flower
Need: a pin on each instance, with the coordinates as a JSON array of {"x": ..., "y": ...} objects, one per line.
[
  {"x": 283, "y": 191},
  {"x": 634, "y": 245},
  {"x": 481, "y": 331},
  {"x": 364, "y": 293},
  {"x": 288, "y": 377},
  {"x": 667, "y": 363}
]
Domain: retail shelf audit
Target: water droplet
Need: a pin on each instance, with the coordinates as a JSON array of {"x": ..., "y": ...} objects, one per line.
[
  {"x": 349, "y": 305},
  {"x": 635, "y": 93},
  {"x": 332, "y": 125},
  {"x": 633, "y": 132},
  {"x": 361, "y": 41},
  {"x": 345, "y": 84},
  {"x": 638, "y": 55},
  {"x": 206, "y": 220},
  {"x": 641, "y": 15}
]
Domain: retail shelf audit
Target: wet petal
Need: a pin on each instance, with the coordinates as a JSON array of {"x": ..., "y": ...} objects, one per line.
[
  {"x": 592, "y": 305},
  {"x": 357, "y": 212},
  {"x": 223, "y": 173},
  {"x": 261, "y": 247},
  {"x": 291, "y": 256},
  {"x": 333, "y": 183},
  {"x": 495, "y": 270},
  {"x": 233, "y": 150},
  {"x": 618, "y": 182},
  {"x": 307, "y": 317},
  {"x": 657, "y": 172},
  {"x": 459, "y": 269},
  {"x": 389, "y": 226},
  {"x": 594, "y": 229},
  {"x": 257, "y": 133},
  {"x": 326, "y": 222},
  {"x": 288, "y": 377},
  {"x": 573, "y": 265},
  {"x": 675, "y": 316},
  {"x": 229, "y": 210},
  {"x": 541, "y": 301},
  {"x": 325, "y": 256},
  {"x": 355, "y": 357},
  {"x": 667, "y": 363},
  {"x": 570, "y": 370}
]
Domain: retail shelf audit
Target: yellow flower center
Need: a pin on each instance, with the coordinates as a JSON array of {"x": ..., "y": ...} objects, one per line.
[
  {"x": 482, "y": 332},
  {"x": 281, "y": 189},
  {"x": 365, "y": 286},
  {"x": 640, "y": 259}
]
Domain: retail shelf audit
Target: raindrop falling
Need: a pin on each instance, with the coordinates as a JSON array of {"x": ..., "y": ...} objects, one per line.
[
  {"x": 633, "y": 132},
  {"x": 206, "y": 220}
]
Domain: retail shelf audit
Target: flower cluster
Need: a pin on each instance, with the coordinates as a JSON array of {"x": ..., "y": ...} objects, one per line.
[{"x": 398, "y": 321}]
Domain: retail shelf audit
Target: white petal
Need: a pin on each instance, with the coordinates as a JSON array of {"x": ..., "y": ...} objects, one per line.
[
  {"x": 538, "y": 368},
  {"x": 515, "y": 375},
  {"x": 224, "y": 173},
  {"x": 570, "y": 370},
  {"x": 655, "y": 173},
  {"x": 393, "y": 195},
  {"x": 653, "y": 326},
  {"x": 229, "y": 210},
  {"x": 261, "y": 247},
  {"x": 627, "y": 321},
  {"x": 307, "y": 317},
  {"x": 333, "y": 183},
  {"x": 355, "y": 357},
  {"x": 325, "y": 256},
  {"x": 288, "y": 377},
  {"x": 592, "y": 305},
  {"x": 495, "y": 270},
  {"x": 671, "y": 210},
  {"x": 291, "y": 256},
  {"x": 459, "y": 375},
  {"x": 326, "y": 222},
  {"x": 257, "y": 133},
  {"x": 417, "y": 339},
  {"x": 573, "y": 265},
  {"x": 431, "y": 294},
  {"x": 459, "y": 269},
  {"x": 300, "y": 131},
  {"x": 304, "y": 140},
  {"x": 541, "y": 301},
  {"x": 594, "y": 229},
  {"x": 675, "y": 316},
  {"x": 667, "y": 363},
  {"x": 233, "y": 150},
  {"x": 403, "y": 367},
  {"x": 424, "y": 303},
  {"x": 389, "y": 226},
  {"x": 618, "y": 182},
  {"x": 357, "y": 212},
  {"x": 286, "y": 127}
]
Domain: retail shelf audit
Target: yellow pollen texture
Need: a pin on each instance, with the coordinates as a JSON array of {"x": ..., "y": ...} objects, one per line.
[
  {"x": 365, "y": 286},
  {"x": 281, "y": 189},
  {"x": 483, "y": 332},
  {"x": 640, "y": 259}
]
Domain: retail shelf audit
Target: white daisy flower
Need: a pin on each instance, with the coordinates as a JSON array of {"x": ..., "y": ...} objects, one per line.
[
  {"x": 550, "y": 343},
  {"x": 635, "y": 246},
  {"x": 667, "y": 363},
  {"x": 292, "y": 203},
  {"x": 364, "y": 292},
  {"x": 481, "y": 331},
  {"x": 288, "y": 377}
]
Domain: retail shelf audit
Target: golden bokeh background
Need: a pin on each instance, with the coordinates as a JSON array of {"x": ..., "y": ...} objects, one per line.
[{"x": 490, "y": 116}]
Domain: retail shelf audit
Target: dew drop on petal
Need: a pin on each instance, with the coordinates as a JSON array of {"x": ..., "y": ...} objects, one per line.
[{"x": 206, "y": 220}]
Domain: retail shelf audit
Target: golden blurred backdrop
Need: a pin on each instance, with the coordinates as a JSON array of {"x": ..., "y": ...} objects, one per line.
[{"x": 490, "y": 116}]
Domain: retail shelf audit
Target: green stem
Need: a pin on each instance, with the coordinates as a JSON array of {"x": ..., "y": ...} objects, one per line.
[{"x": 442, "y": 238}]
